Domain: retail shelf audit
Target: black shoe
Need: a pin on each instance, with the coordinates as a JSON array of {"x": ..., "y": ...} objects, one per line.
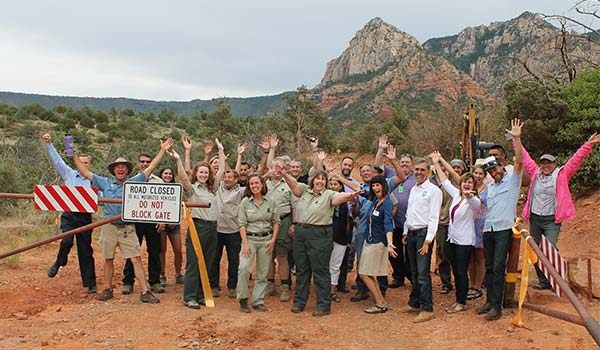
[
  {"x": 445, "y": 290},
  {"x": 321, "y": 313},
  {"x": 92, "y": 290},
  {"x": 53, "y": 270},
  {"x": 484, "y": 309},
  {"x": 494, "y": 314},
  {"x": 396, "y": 284},
  {"x": 297, "y": 309},
  {"x": 343, "y": 290},
  {"x": 537, "y": 286},
  {"x": 359, "y": 297},
  {"x": 244, "y": 306}
]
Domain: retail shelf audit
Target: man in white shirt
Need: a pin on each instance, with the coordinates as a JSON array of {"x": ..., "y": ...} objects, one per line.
[{"x": 422, "y": 217}]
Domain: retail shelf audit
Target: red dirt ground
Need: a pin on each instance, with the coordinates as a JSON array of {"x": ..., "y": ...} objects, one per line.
[{"x": 41, "y": 313}]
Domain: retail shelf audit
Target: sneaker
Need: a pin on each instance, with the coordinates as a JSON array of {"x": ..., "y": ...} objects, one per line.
[
  {"x": 192, "y": 304},
  {"x": 424, "y": 316},
  {"x": 179, "y": 279},
  {"x": 493, "y": 314},
  {"x": 260, "y": 307},
  {"x": 163, "y": 281},
  {"x": 376, "y": 309},
  {"x": 157, "y": 288},
  {"x": 215, "y": 292},
  {"x": 231, "y": 293},
  {"x": 105, "y": 295},
  {"x": 244, "y": 306},
  {"x": 456, "y": 307},
  {"x": 127, "y": 289},
  {"x": 407, "y": 309},
  {"x": 270, "y": 290},
  {"x": 359, "y": 297},
  {"x": 321, "y": 313},
  {"x": 284, "y": 295},
  {"x": 53, "y": 270},
  {"x": 484, "y": 309},
  {"x": 92, "y": 290},
  {"x": 148, "y": 297}
]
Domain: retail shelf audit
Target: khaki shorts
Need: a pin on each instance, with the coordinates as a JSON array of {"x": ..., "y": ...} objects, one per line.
[
  {"x": 124, "y": 237},
  {"x": 284, "y": 242}
]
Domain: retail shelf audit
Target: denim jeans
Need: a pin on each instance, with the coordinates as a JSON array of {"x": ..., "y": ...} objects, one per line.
[
  {"x": 233, "y": 245},
  {"x": 420, "y": 265},
  {"x": 544, "y": 225},
  {"x": 459, "y": 256},
  {"x": 495, "y": 250}
]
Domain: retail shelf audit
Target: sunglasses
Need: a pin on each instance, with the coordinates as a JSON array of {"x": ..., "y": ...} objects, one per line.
[{"x": 144, "y": 161}]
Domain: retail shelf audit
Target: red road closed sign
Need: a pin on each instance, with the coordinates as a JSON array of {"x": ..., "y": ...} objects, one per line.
[{"x": 152, "y": 202}]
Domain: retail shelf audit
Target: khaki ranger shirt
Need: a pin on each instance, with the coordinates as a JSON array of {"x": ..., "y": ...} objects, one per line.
[
  {"x": 228, "y": 202},
  {"x": 200, "y": 193},
  {"x": 258, "y": 218},
  {"x": 315, "y": 210},
  {"x": 282, "y": 195}
]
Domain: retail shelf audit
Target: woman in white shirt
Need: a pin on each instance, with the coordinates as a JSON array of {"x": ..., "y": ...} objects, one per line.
[{"x": 461, "y": 230}]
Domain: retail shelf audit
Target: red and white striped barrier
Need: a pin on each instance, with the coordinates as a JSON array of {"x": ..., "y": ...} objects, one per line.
[
  {"x": 77, "y": 199},
  {"x": 556, "y": 260}
]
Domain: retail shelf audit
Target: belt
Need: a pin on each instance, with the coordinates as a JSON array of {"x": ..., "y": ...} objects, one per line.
[
  {"x": 264, "y": 234},
  {"x": 281, "y": 217},
  {"x": 414, "y": 232},
  {"x": 120, "y": 225},
  {"x": 312, "y": 226}
]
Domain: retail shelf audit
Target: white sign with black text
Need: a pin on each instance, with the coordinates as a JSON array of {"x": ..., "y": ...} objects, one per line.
[{"x": 152, "y": 202}]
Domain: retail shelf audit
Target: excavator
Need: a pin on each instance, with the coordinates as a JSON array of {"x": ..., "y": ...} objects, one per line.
[{"x": 470, "y": 146}]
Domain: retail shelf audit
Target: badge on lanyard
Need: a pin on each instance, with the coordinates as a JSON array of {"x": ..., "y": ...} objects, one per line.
[
  {"x": 375, "y": 213},
  {"x": 401, "y": 188}
]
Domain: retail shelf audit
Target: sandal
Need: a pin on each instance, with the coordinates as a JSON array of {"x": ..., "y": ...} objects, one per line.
[
  {"x": 376, "y": 309},
  {"x": 335, "y": 298},
  {"x": 474, "y": 293}
]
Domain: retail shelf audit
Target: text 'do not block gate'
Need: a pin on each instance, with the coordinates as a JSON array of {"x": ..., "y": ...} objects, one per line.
[{"x": 152, "y": 202}]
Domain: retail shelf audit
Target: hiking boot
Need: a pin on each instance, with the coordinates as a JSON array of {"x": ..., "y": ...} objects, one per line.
[
  {"x": 244, "y": 306},
  {"x": 260, "y": 307},
  {"x": 407, "y": 309},
  {"x": 284, "y": 295},
  {"x": 163, "y": 281},
  {"x": 179, "y": 279},
  {"x": 127, "y": 289},
  {"x": 53, "y": 270},
  {"x": 359, "y": 297},
  {"x": 148, "y": 297},
  {"x": 231, "y": 293},
  {"x": 192, "y": 304},
  {"x": 321, "y": 313},
  {"x": 105, "y": 295},
  {"x": 157, "y": 288},
  {"x": 424, "y": 316},
  {"x": 493, "y": 314},
  {"x": 215, "y": 292},
  {"x": 484, "y": 309},
  {"x": 270, "y": 290}
]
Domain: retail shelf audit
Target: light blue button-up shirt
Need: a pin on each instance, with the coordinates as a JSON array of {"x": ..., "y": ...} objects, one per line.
[
  {"x": 502, "y": 203},
  {"x": 70, "y": 176},
  {"x": 113, "y": 189}
]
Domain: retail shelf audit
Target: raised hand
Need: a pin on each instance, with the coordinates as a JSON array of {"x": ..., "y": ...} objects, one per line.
[
  {"x": 383, "y": 141},
  {"x": 273, "y": 141},
  {"x": 436, "y": 156},
  {"x": 391, "y": 152},
  {"x": 330, "y": 165},
  {"x": 265, "y": 143},
  {"x": 321, "y": 155},
  {"x": 174, "y": 155},
  {"x": 219, "y": 144},
  {"x": 187, "y": 144},
  {"x": 241, "y": 148},
  {"x": 165, "y": 145},
  {"x": 208, "y": 146},
  {"x": 515, "y": 127},
  {"x": 594, "y": 139},
  {"x": 47, "y": 138}
]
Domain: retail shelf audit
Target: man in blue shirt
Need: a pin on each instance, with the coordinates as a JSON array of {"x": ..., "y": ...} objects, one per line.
[
  {"x": 70, "y": 221},
  {"x": 120, "y": 233}
]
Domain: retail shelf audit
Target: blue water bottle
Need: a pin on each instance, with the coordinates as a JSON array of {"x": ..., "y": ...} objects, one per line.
[{"x": 69, "y": 145}]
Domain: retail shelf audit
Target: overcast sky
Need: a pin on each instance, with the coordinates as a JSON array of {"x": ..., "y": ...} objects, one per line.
[{"x": 182, "y": 50}]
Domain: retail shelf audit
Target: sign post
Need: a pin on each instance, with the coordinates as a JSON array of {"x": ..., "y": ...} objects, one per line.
[{"x": 152, "y": 202}]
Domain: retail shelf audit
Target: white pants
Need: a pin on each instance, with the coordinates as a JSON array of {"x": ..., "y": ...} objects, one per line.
[{"x": 337, "y": 255}]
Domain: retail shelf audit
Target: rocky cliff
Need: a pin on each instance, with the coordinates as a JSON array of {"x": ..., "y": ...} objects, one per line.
[
  {"x": 383, "y": 67},
  {"x": 501, "y": 51}
]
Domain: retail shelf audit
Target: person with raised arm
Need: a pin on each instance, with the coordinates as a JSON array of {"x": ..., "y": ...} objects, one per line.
[
  {"x": 120, "y": 233},
  {"x": 313, "y": 239},
  {"x": 503, "y": 195},
  {"x": 70, "y": 221},
  {"x": 461, "y": 229}
]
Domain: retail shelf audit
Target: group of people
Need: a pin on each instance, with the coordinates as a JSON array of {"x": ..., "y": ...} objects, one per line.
[{"x": 271, "y": 217}]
